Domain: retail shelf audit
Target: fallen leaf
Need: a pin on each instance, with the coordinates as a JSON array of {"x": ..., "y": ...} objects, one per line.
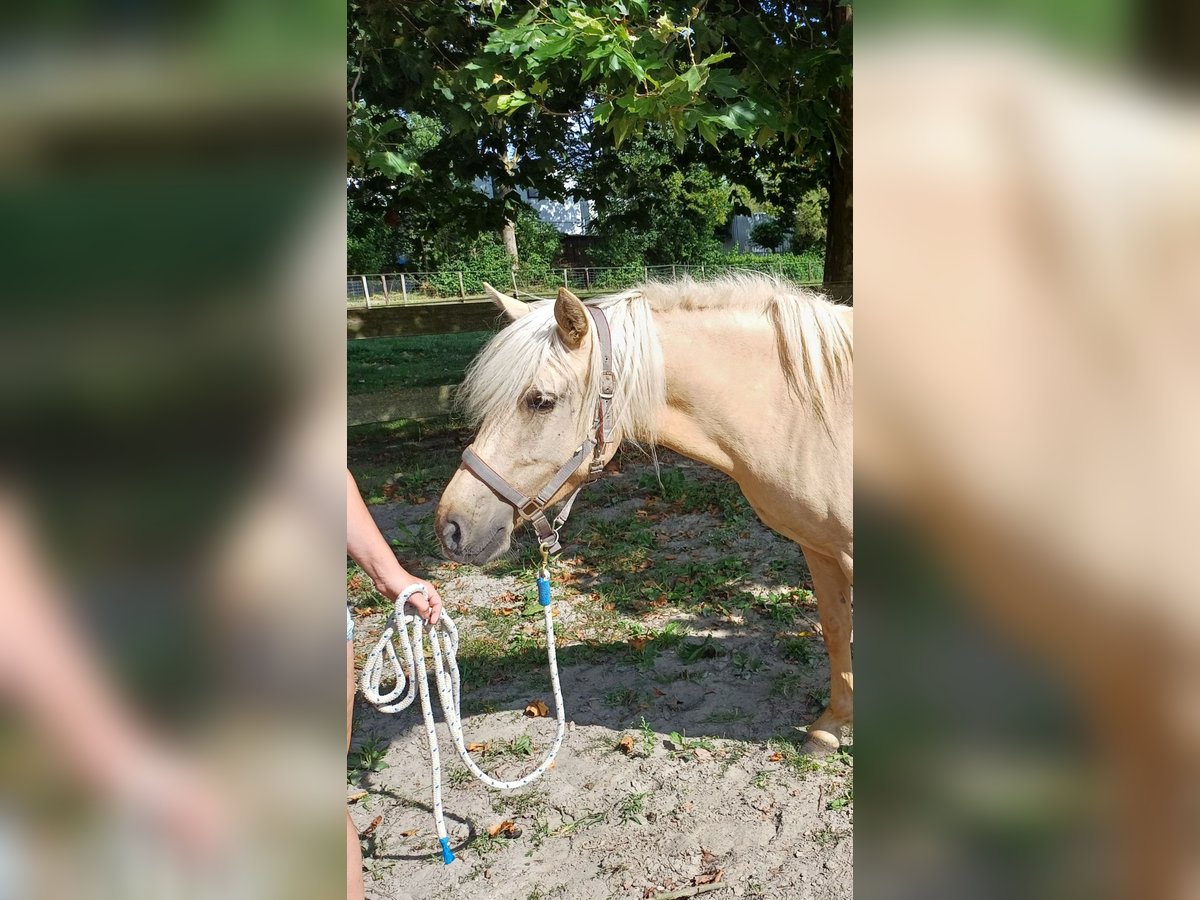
[
  {"x": 537, "y": 709},
  {"x": 702, "y": 755},
  {"x": 476, "y": 748},
  {"x": 775, "y": 757},
  {"x": 356, "y": 796},
  {"x": 370, "y": 830},
  {"x": 710, "y": 878},
  {"x": 659, "y": 693},
  {"x": 625, "y": 745},
  {"x": 408, "y": 833},
  {"x": 420, "y": 500},
  {"x": 639, "y": 643},
  {"x": 508, "y": 828},
  {"x": 707, "y": 856}
]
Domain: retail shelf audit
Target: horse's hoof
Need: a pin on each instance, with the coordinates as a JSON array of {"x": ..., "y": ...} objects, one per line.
[{"x": 820, "y": 744}]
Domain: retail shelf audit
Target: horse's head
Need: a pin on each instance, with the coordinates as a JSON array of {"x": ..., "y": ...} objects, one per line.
[{"x": 533, "y": 393}]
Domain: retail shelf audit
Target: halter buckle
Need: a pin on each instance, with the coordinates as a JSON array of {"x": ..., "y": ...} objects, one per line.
[
  {"x": 530, "y": 509},
  {"x": 608, "y": 385}
]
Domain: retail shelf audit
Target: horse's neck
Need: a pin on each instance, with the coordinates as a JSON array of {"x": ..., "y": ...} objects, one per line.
[{"x": 722, "y": 377}]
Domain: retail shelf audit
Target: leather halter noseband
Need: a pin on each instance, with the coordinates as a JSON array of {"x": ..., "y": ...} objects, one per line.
[{"x": 533, "y": 509}]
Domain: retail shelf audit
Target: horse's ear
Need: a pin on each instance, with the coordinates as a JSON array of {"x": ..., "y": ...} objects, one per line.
[
  {"x": 571, "y": 317},
  {"x": 512, "y": 307}
]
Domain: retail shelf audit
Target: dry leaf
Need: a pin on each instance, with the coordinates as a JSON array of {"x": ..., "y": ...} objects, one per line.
[
  {"x": 775, "y": 757},
  {"x": 420, "y": 500},
  {"x": 476, "y": 748},
  {"x": 639, "y": 643},
  {"x": 707, "y": 856},
  {"x": 536, "y": 709},
  {"x": 710, "y": 878},
  {"x": 508, "y": 828},
  {"x": 370, "y": 830},
  {"x": 702, "y": 755},
  {"x": 659, "y": 693},
  {"x": 408, "y": 833},
  {"x": 356, "y": 796},
  {"x": 625, "y": 745}
]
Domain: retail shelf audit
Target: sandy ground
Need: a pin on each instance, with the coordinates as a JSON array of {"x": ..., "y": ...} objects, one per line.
[{"x": 736, "y": 805}]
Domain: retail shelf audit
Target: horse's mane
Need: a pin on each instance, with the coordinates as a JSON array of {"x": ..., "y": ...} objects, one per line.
[{"x": 815, "y": 349}]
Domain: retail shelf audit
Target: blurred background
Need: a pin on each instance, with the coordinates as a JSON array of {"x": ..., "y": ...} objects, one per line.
[
  {"x": 1027, "y": 222},
  {"x": 171, "y": 512}
]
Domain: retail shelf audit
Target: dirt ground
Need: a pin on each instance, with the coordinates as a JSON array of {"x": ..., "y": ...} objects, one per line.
[{"x": 683, "y": 625}]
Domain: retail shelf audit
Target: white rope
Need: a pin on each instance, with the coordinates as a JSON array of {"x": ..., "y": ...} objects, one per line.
[{"x": 443, "y": 644}]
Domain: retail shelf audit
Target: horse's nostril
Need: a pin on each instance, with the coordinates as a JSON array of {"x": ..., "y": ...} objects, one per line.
[{"x": 452, "y": 534}]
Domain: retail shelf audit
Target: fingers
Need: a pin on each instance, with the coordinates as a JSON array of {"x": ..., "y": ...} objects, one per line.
[{"x": 435, "y": 604}]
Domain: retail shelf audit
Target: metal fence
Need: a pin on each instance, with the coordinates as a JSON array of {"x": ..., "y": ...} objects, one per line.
[{"x": 400, "y": 288}]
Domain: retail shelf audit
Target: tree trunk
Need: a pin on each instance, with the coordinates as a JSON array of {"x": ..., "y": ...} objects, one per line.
[
  {"x": 508, "y": 233},
  {"x": 839, "y": 236}
]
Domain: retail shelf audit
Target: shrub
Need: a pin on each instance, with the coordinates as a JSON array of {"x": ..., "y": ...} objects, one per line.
[
  {"x": 808, "y": 233},
  {"x": 769, "y": 233}
]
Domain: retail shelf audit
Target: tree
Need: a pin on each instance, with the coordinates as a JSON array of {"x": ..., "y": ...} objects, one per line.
[
  {"x": 808, "y": 227},
  {"x": 769, "y": 233},
  {"x": 525, "y": 90},
  {"x": 654, "y": 205}
]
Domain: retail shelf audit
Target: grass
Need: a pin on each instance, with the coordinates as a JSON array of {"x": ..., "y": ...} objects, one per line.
[
  {"x": 403, "y": 461},
  {"x": 367, "y": 758},
  {"x": 630, "y": 809},
  {"x": 649, "y": 738},
  {"x": 416, "y": 361}
]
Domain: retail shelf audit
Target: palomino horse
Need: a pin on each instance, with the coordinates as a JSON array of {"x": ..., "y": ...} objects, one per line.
[{"x": 747, "y": 374}]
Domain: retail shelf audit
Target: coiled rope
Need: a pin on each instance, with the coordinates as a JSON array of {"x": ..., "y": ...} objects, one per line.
[{"x": 443, "y": 644}]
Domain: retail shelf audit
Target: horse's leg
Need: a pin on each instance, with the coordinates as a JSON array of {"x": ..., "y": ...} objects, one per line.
[{"x": 832, "y": 588}]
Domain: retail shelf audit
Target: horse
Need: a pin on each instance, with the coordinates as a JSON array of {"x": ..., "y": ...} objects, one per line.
[{"x": 745, "y": 373}]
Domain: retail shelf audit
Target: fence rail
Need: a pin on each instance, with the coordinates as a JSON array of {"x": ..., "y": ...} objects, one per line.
[{"x": 402, "y": 288}]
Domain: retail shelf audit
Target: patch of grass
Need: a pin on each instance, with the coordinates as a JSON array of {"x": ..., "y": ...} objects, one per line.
[
  {"x": 694, "y": 651},
  {"x": 649, "y": 738},
  {"x": 406, "y": 462},
  {"x": 761, "y": 779},
  {"x": 369, "y": 757},
  {"x": 521, "y": 746},
  {"x": 844, "y": 797},
  {"x": 625, "y": 697},
  {"x": 529, "y": 803},
  {"x": 411, "y": 361},
  {"x": 727, "y": 716},
  {"x": 827, "y": 836},
  {"x": 787, "y": 686},
  {"x": 630, "y": 809},
  {"x": 559, "y": 890},
  {"x": 417, "y": 540},
  {"x": 684, "y": 744},
  {"x": 458, "y": 776},
  {"x": 797, "y": 649},
  {"x": 747, "y": 665}
]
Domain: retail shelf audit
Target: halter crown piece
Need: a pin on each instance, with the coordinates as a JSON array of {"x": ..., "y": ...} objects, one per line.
[{"x": 533, "y": 509}]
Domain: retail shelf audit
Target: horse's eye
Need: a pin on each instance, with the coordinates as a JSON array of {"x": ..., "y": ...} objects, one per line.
[{"x": 536, "y": 401}]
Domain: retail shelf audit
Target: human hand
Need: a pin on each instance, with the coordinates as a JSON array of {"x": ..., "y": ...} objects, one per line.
[{"x": 426, "y": 601}]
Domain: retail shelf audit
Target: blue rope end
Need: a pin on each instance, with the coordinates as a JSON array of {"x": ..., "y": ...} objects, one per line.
[
  {"x": 447, "y": 853},
  {"x": 543, "y": 591}
]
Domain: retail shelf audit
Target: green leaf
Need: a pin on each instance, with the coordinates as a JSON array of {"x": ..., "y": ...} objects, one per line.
[
  {"x": 602, "y": 112},
  {"x": 715, "y": 58},
  {"x": 392, "y": 163}
]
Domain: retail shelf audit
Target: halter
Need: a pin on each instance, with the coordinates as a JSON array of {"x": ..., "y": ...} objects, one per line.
[{"x": 533, "y": 509}]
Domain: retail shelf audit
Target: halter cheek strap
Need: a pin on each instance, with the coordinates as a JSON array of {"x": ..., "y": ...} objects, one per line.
[{"x": 533, "y": 509}]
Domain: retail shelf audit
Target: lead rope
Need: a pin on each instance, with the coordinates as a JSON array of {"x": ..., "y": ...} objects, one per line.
[{"x": 443, "y": 644}]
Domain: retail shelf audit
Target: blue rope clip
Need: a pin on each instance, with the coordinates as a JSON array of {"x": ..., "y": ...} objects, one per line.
[
  {"x": 543, "y": 584},
  {"x": 447, "y": 853}
]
